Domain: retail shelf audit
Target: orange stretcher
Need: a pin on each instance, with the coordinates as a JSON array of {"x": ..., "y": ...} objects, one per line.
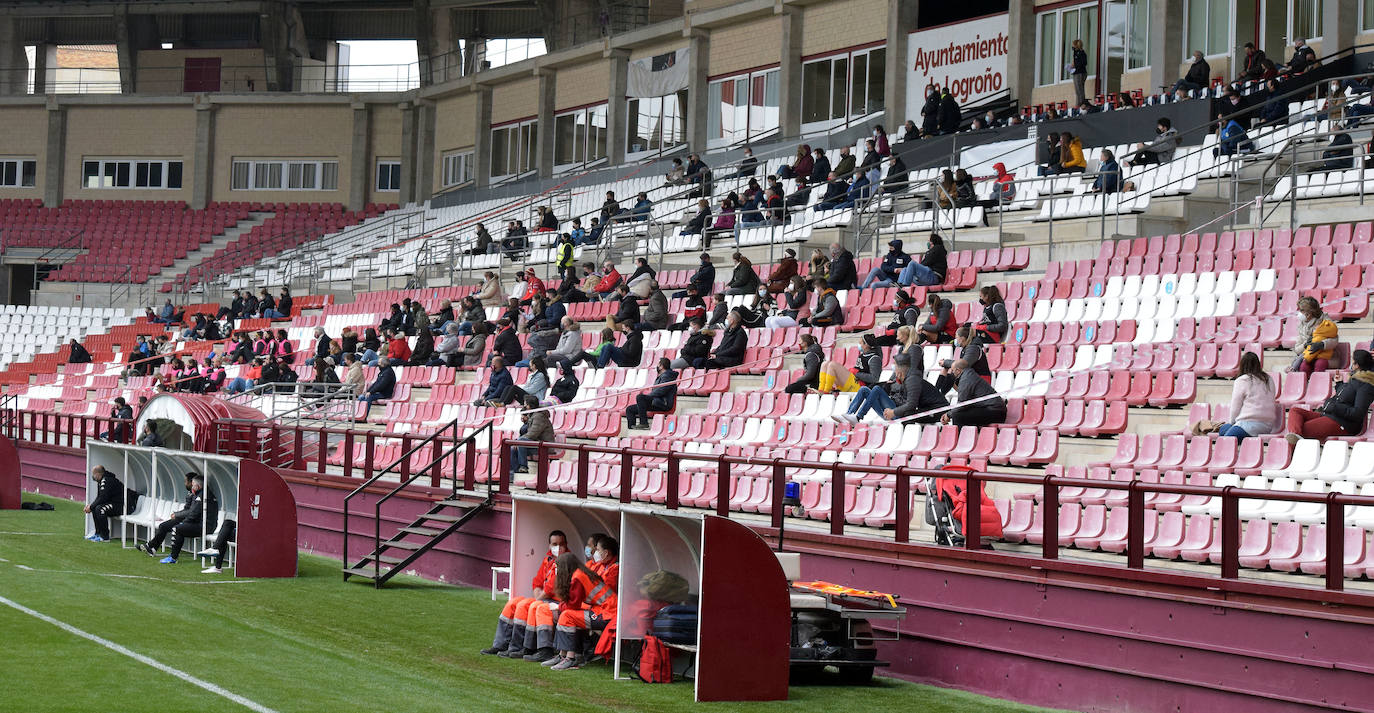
[{"x": 837, "y": 590}]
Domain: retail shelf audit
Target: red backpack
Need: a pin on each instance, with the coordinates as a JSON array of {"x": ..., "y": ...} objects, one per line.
[{"x": 655, "y": 664}]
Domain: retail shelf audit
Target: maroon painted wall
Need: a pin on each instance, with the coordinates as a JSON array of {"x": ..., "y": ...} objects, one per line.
[{"x": 1040, "y": 636}]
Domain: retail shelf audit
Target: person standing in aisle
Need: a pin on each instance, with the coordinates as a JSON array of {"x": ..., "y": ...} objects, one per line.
[{"x": 1080, "y": 72}]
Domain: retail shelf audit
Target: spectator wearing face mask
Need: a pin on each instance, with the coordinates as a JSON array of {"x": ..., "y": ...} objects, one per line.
[{"x": 1199, "y": 75}]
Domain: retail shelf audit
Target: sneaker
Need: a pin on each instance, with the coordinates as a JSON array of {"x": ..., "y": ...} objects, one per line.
[
  {"x": 167, "y": 560},
  {"x": 208, "y": 552},
  {"x": 1293, "y": 439},
  {"x": 540, "y": 656},
  {"x": 149, "y": 549},
  {"x": 512, "y": 654},
  {"x": 97, "y": 538},
  {"x": 567, "y": 664},
  {"x": 851, "y": 419},
  {"x": 490, "y": 651},
  {"x": 522, "y": 470},
  {"x": 211, "y": 570},
  {"x": 553, "y": 661}
]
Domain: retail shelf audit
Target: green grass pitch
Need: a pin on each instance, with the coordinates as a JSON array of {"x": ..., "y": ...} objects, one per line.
[{"x": 313, "y": 643}]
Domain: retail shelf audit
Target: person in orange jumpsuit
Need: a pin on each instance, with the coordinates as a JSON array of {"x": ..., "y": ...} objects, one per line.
[
  {"x": 569, "y": 592},
  {"x": 510, "y": 629},
  {"x": 599, "y": 607}
]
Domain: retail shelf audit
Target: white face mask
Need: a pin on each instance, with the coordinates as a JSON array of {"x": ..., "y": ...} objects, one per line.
[
  {"x": 587, "y": 551},
  {"x": 555, "y": 550},
  {"x": 597, "y": 556}
]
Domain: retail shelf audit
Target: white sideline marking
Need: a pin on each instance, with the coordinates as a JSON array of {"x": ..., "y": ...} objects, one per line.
[
  {"x": 28, "y": 533},
  {"x": 116, "y": 575},
  {"x": 139, "y": 657}
]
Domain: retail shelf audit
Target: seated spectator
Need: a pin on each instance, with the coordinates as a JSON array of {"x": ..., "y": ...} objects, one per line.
[
  {"x": 979, "y": 404},
  {"x": 845, "y": 167},
  {"x": 1109, "y": 173},
  {"x": 694, "y": 306},
  {"x": 548, "y": 222},
  {"x": 1199, "y": 75},
  {"x": 200, "y": 511},
  {"x": 594, "y": 355},
  {"x": 1255, "y": 408},
  {"x": 1071, "y": 154},
  {"x": 1003, "y": 190},
  {"x": 497, "y": 383},
  {"x": 149, "y": 437},
  {"x": 719, "y": 311},
  {"x": 594, "y": 231},
  {"x": 564, "y": 391},
  {"x": 397, "y": 348},
  {"x": 820, "y": 264},
  {"x": 696, "y": 349},
  {"x": 1317, "y": 338},
  {"x": 743, "y": 279},
  {"x": 265, "y": 303},
  {"x": 758, "y": 309},
  {"x": 443, "y": 318},
  {"x": 1339, "y": 154},
  {"x": 704, "y": 278},
  {"x": 872, "y": 165},
  {"x": 820, "y": 167},
  {"x": 940, "y": 325},
  {"x": 775, "y": 206},
  {"x": 536, "y": 427},
  {"x": 643, "y": 208},
  {"x": 1343, "y": 414},
  {"x": 676, "y": 175},
  {"x": 610, "y": 208},
  {"x": 536, "y": 385},
  {"x": 662, "y": 398},
  {"x": 812, "y": 359},
  {"x": 699, "y": 175},
  {"x": 1161, "y": 150},
  {"x": 516, "y": 240},
  {"x": 627, "y": 309},
  {"x": 655, "y": 312},
  {"x": 250, "y": 305},
  {"x": 867, "y": 370},
  {"x": 610, "y": 279},
  {"x": 945, "y": 190},
  {"x": 248, "y": 378},
  {"x": 1054, "y": 149},
  {"x": 730, "y": 352},
  {"x": 507, "y": 342},
  {"x": 909, "y": 131},
  {"x": 993, "y": 325},
  {"x": 449, "y": 352},
  {"x": 897, "y": 174},
  {"x": 78, "y": 354},
  {"x": 971, "y": 352},
  {"x": 569, "y": 346},
  {"x": 908, "y": 315},
  {"x": 1253, "y": 67},
  {"x": 835, "y": 192},
  {"x": 725, "y": 221},
  {"x": 490, "y": 293},
  {"x": 885, "y": 274},
  {"x": 843, "y": 275},
  {"x": 783, "y": 272},
  {"x": 476, "y": 345},
  {"x": 800, "y": 197},
  {"x": 698, "y": 222},
  {"x": 1231, "y": 138},
  {"x": 482, "y": 242},
  {"x": 965, "y": 195},
  {"x": 748, "y": 164},
  {"x": 827, "y": 312},
  {"x": 930, "y": 269},
  {"x": 1303, "y": 58},
  {"x": 897, "y": 399},
  {"x": 801, "y": 165},
  {"x": 110, "y": 501}
]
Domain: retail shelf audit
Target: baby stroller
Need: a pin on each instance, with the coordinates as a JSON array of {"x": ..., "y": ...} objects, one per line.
[{"x": 945, "y": 509}]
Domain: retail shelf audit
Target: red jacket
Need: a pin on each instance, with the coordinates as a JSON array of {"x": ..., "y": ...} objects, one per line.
[
  {"x": 608, "y": 282},
  {"x": 536, "y": 286},
  {"x": 398, "y": 349},
  {"x": 544, "y": 578}
]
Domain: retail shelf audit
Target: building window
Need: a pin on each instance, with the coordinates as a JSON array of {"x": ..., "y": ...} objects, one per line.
[
  {"x": 457, "y": 168},
  {"x": 1366, "y": 15},
  {"x": 1305, "y": 19},
  {"x": 1056, "y": 31},
  {"x": 579, "y": 136},
  {"x": 742, "y": 108},
  {"x": 388, "y": 175},
  {"x": 130, "y": 173},
  {"x": 513, "y": 148},
  {"x": 1138, "y": 34},
  {"x": 1209, "y": 27},
  {"x": 284, "y": 175},
  {"x": 657, "y": 123},
  {"x": 18, "y": 172},
  {"x": 841, "y": 86}
]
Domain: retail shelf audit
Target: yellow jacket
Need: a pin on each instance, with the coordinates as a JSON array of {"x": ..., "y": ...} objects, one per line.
[
  {"x": 1325, "y": 329},
  {"x": 1075, "y": 157}
]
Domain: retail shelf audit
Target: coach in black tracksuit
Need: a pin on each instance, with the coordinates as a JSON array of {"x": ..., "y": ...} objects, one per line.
[
  {"x": 108, "y": 503},
  {"x": 187, "y": 521}
]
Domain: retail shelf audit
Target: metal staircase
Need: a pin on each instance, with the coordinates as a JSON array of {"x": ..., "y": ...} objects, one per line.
[{"x": 444, "y": 517}]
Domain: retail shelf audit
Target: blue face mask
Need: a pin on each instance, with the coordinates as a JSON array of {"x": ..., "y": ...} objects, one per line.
[{"x": 587, "y": 551}]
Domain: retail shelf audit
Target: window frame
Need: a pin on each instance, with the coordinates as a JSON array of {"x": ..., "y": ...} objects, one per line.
[
  {"x": 751, "y": 105},
  {"x": 1094, "y": 60},
  {"x": 525, "y": 134},
  {"x": 1294, "y": 32},
  {"x": 632, "y": 124},
  {"x": 390, "y": 165},
  {"x": 1207, "y": 32},
  {"x": 587, "y": 114},
  {"x": 845, "y": 105},
  {"x": 19, "y": 164},
  {"x": 285, "y": 171},
  {"x": 126, "y": 171},
  {"x": 456, "y": 162}
]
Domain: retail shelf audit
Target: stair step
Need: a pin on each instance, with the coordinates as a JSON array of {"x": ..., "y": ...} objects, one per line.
[
  {"x": 426, "y": 531},
  {"x": 360, "y": 572},
  {"x": 442, "y": 518},
  {"x": 386, "y": 559},
  {"x": 402, "y": 544}
]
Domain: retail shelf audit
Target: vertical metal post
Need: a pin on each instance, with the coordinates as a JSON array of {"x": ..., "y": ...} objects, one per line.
[
  {"x": 837, "y": 489},
  {"x": 1230, "y": 535},
  {"x": 1335, "y": 543},
  {"x": 1049, "y": 521}
]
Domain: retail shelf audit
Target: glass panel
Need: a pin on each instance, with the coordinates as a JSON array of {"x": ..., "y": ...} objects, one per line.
[
  {"x": 858, "y": 82},
  {"x": 1366, "y": 14},
  {"x": 1087, "y": 29},
  {"x": 763, "y": 115},
  {"x": 155, "y": 174},
  {"x": 499, "y": 148},
  {"x": 1219, "y": 27},
  {"x": 238, "y": 176},
  {"x": 564, "y": 139},
  {"x": 1049, "y": 63},
  {"x": 295, "y": 177},
  {"x": 1138, "y": 37},
  {"x": 122, "y": 178},
  {"x": 11, "y": 174},
  {"x": 30, "y": 173},
  {"x": 1197, "y": 27},
  {"x": 717, "y": 111},
  {"x": 596, "y": 133},
  {"x": 329, "y": 175},
  {"x": 816, "y": 91},
  {"x": 579, "y": 140},
  {"x": 1069, "y": 24},
  {"x": 528, "y": 145},
  {"x": 839, "y": 85},
  {"x": 174, "y": 174},
  {"x": 141, "y": 174},
  {"x": 877, "y": 71},
  {"x": 90, "y": 174},
  {"x": 107, "y": 175}
]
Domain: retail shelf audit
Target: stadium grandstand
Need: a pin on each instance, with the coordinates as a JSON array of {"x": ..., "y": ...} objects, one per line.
[{"x": 1025, "y": 345}]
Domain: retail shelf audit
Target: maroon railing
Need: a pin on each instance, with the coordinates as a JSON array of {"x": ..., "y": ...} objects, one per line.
[{"x": 64, "y": 429}]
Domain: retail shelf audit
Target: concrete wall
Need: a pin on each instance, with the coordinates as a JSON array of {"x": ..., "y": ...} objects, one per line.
[
  {"x": 455, "y": 129},
  {"x": 515, "y": 100},
  {"x": 241, "y": 70},
  {"x": 384, "y": 143},
  {"x": 25, "y": 136},
  {"x": 148, "y": 132},
  {"x": 838, "y": 25},
  {"x": 306, "y": 131},
  {"x": 581, "y": 84},
  {"x": 746, "y": 46}
]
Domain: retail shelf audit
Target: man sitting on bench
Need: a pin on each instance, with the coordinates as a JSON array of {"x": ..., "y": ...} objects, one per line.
[
  {"x": 108, "y": 503},
  {"x": 199, "y": 507}
]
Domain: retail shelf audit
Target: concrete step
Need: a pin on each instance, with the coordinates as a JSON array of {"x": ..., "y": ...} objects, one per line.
[{"x": 206, "y": 251}]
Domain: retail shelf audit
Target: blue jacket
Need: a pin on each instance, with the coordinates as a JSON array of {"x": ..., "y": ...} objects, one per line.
[
  {"x": 894, "y": 261},
  {"x": 1232, "y": 138},
  {"x": 665, "y": 390},
  {"x": 642, "y": 210},
  {"x": 1110, "y": 180},
  {"x": 704, "y": 278},
  {"x": 500, "y": 381},
  {"x": 555, "y": 312},
  {"x": 385, "y": 383}
]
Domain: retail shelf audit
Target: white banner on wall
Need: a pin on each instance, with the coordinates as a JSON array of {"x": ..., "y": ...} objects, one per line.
[
  {"x": 969, "y": 57},
  {"x": 660, "y": 75}
]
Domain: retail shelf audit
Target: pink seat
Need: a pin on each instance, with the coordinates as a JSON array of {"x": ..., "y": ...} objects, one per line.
[
  {"x": 1313, "y": 551},
  {"x": 1285, "y": 544}
]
